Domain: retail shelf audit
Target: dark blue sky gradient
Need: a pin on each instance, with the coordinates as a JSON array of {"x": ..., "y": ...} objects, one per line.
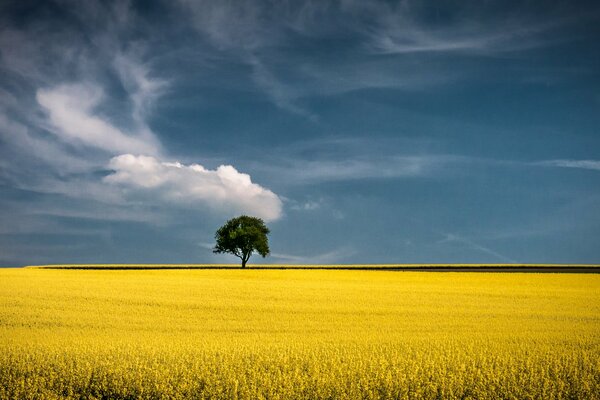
[{"x": 372, "y": 132}]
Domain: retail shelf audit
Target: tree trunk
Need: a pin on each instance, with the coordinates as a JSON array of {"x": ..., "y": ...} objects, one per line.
[{"x": 245, "y": 257}]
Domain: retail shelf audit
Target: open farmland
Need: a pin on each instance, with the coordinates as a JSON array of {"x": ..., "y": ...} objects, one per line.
[{"x": 297, "y": 334}]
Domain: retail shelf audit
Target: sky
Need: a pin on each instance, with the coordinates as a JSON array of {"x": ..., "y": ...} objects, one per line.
[{"x": 360, "y": 131}]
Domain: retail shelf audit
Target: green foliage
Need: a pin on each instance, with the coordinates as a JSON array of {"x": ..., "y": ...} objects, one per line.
[{"x": 241, "y": 237}]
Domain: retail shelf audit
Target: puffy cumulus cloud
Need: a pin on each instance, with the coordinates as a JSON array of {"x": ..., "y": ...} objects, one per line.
[
  {"x": 224, "y": 189},
  {"x": 71, "y": 109}
]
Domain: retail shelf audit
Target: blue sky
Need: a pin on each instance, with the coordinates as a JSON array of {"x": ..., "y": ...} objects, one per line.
[{"x": 362, "y": 132}]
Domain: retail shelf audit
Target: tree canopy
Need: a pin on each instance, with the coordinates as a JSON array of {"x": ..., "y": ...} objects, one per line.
[{"x": 241, "y": 237}]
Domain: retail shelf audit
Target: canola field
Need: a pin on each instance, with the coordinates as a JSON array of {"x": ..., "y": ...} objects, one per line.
[{"x": 298, "y": 334}]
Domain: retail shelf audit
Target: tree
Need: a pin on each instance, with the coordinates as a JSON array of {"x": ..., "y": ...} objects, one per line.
[{"x": 241, "y": 237}]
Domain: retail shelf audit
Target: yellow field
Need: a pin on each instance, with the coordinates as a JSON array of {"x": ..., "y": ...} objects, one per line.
[
  {"x": 303, "y": 266},
  {"x": 298, "y": 334}
]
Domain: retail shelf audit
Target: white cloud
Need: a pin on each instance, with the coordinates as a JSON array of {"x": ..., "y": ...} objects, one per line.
[
  {"x": 583, "y": 164},
  {"x": 224, "y": 189},
  {"x": 71, "y": 112},
  {"x": 77, "y": 116}
]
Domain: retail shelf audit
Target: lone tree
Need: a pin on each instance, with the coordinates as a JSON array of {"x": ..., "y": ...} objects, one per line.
[{"x": 242, "y": 236}]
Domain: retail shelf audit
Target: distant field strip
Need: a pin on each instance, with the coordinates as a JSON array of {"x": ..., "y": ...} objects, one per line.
[
  {"x": 297, "y": 334},
  {"x": 553, "y": 268}
]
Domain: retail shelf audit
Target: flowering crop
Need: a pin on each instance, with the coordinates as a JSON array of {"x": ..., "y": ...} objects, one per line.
[{"x": 304, "y": 334}]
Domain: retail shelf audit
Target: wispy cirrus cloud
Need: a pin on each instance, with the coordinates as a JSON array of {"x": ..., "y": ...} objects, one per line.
[
  {"x": 582, "y": 164},
  {"x": 471, "y": 27},
  {"x": 337, "y": 159},
  {"x": 256, "y": 28},
  {"x": 317, "y": 171},
  {"x": 400, "y": 33},
  {"x": 18, "y": 139},
  {"x": 454, "y": 238},
  {"x": 143, "y": 88},
  {"x": 282, "y": 95},
  {"x": 337, "y": 255},
  {"x": 375, "y": 44}
]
